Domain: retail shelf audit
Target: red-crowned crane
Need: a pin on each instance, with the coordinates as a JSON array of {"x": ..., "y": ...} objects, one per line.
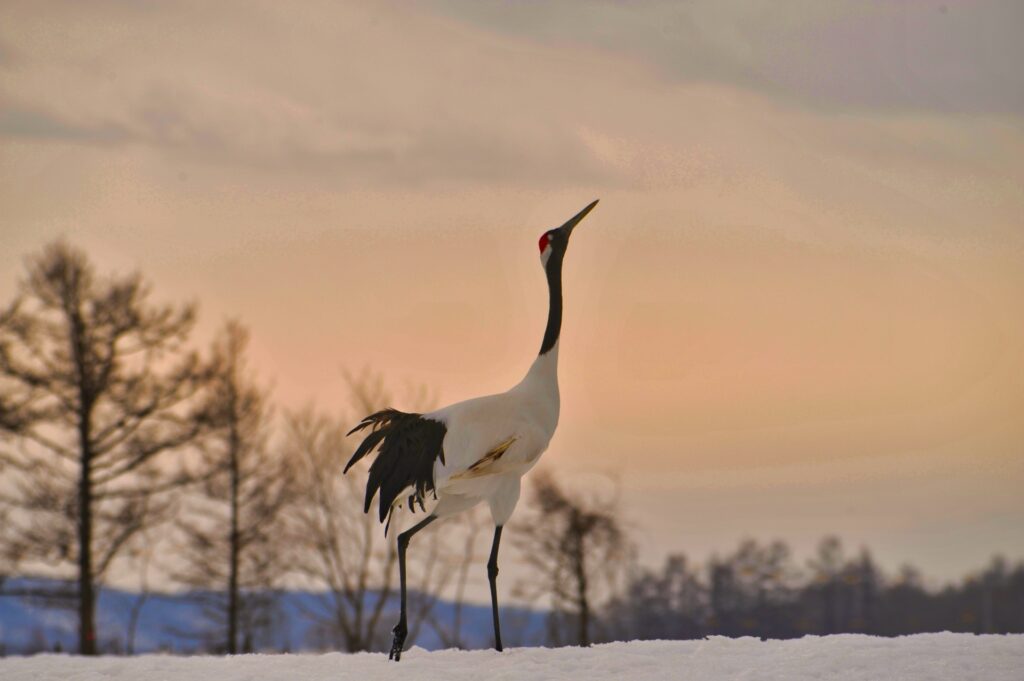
[{"x": 471, "y": 451}]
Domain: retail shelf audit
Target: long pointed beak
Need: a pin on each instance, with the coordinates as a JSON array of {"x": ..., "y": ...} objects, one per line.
[{"x": 574, "y": 220}]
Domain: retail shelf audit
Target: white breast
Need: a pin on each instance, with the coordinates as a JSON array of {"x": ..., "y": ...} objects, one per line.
[{"x": 527, "y": 414}]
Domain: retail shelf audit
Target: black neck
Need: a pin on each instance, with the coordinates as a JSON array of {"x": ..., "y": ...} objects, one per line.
[{"x": 554, "y": 327}]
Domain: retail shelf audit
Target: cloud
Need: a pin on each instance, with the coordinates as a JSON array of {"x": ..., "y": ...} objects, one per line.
[
  {"x": 24, "y": 122},
  {"x": 481, "y": 95},
  {"x": 347, "y": 94},
  {"x": 827, "y": 54}
]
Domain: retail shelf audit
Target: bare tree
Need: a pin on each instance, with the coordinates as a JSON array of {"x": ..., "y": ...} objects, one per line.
[
  {"x": 845, "y": 590},
  {"x": 670, "y": 603},
  {"x": 339, "y": 547},
  {"x": 827, "y": 568},
  {"x": 336, "y": 545},
  {"x": 578, "y": 547},
  {"x": 95, "y": 385},
  {"x": 753, "y": 590},
  {"x": 233, "y": 521}
]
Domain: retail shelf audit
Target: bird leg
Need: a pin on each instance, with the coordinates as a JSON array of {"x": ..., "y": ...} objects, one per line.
[
  {"x": 401, "y": 629},
  {"x": 492, "y": 577}
]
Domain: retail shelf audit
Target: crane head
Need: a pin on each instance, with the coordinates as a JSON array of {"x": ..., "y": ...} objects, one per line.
[{"x": 557, "y": 240}]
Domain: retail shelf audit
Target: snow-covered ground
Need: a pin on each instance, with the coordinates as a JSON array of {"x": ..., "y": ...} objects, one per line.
[{"x": 928, "y": 657}]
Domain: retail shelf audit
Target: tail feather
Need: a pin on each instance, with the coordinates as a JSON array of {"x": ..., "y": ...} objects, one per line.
[{"x": 407, "y": 446}]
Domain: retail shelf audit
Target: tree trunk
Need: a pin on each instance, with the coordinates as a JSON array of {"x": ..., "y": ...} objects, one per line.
[
  {"x": 234, "y": 550},
  {"x": 86, "y": 594},
  {"x": 86, "y": 590},
  {"x": 581, "y": 587},
  {"x": 584, "y": 632}
]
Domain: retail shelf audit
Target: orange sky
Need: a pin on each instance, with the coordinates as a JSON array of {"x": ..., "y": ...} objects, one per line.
[{"x": 796, "y": 310}]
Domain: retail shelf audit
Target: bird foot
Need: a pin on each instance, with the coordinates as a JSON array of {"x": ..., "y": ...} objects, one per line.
[{"x": 400, "y": 633}]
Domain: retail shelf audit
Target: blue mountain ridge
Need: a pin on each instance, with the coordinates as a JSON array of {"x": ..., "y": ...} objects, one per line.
[{"x": 175, "y": 623}]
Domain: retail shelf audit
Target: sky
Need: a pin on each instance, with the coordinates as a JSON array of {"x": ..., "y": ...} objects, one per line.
[{"x": 795, "y": 312}]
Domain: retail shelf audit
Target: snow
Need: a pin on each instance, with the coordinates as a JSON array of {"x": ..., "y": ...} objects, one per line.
[{"x": 848, "y": 657}]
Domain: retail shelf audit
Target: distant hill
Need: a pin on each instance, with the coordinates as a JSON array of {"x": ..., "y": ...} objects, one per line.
[{"x": 174, "y": 623}]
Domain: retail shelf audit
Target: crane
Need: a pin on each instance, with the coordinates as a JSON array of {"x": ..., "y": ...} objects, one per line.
[{"x": 471, "y": 451}]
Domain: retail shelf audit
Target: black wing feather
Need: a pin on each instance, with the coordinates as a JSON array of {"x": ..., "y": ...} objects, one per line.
[{"x": 407, "y": 446}]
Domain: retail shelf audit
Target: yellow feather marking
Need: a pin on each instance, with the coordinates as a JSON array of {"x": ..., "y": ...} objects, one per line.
[{"x": 480, "y": 466}]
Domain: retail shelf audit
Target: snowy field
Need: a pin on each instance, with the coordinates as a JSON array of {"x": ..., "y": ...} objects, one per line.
[{"x": 931, "y": 657}]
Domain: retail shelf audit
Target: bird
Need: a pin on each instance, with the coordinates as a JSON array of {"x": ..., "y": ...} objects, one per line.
[{"x": 472, "y": 451}]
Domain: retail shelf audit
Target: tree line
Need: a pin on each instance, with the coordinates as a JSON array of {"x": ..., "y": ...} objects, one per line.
[
  {"x": 123, "y": 445},
  {"x": 586, "y": 572},
  {"x": 761, "y": 590}
]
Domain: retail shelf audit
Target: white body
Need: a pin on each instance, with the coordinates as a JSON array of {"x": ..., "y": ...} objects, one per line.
[{"x": 520, "y": 422}]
